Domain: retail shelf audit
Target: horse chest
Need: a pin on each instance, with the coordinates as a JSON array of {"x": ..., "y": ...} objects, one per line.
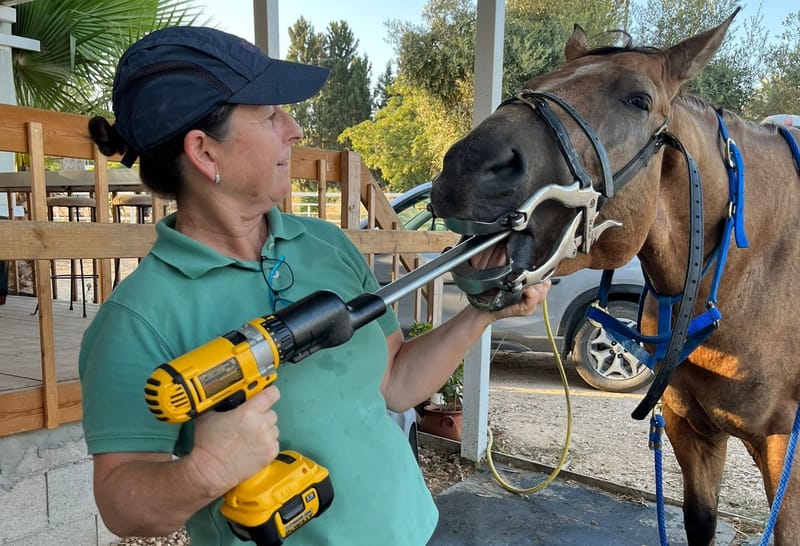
[{"x": 716, "y": 391}]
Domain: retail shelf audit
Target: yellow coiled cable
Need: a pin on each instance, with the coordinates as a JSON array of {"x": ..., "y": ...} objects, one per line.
[{"x": 565, "y": 450}]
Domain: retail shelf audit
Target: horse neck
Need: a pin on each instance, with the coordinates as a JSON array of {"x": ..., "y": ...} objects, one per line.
[{"x": 694, "y": 123}]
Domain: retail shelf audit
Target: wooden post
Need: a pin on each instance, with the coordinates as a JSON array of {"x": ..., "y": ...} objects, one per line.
[
  {"x": 42, "y": 272},
  {"x": 101, "y": 216},
  {"x": 158, "y": 208},
  {"x": 351, "y": 190},
  {"x": 322, "y": 189},
  {"x": 371, "y": 220}
]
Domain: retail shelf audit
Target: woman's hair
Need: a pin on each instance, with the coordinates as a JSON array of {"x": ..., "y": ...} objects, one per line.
[{"x": 160, "y": 167}]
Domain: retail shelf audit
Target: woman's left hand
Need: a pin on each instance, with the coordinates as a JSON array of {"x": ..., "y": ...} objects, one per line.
[{"x": 532, "y": 296}]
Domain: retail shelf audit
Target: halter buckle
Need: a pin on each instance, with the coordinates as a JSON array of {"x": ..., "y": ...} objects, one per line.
[{"x": 730, "y": 144}]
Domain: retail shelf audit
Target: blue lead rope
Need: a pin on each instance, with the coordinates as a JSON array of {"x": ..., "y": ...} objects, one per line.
[
  {"x": 656, "y": 433},
  {"x": 786, "y": 473}
]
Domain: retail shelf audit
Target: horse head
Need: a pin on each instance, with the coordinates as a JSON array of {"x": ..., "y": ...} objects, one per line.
[{"x": 571, "y": 163}]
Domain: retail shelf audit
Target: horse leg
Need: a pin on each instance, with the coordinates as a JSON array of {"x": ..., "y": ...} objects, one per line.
[
  {"x": 701, "y": 457},
  {"x": 769, "y": 457}
]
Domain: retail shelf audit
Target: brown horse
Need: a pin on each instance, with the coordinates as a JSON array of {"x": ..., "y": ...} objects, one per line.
[{"x": 604, "y": 159}]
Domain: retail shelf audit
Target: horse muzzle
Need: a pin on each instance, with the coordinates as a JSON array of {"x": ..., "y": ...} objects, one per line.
[{"x": 498, "y": 287}]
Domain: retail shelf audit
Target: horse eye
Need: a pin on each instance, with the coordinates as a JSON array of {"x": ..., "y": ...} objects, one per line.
[{"x": 642, "y": 102}]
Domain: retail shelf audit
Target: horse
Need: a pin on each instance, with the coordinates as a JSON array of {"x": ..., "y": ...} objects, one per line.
[{"x": 607, "y": 157}]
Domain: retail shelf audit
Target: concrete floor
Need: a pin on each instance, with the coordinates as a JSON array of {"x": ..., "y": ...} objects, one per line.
[{"x": 479, "y": 512}]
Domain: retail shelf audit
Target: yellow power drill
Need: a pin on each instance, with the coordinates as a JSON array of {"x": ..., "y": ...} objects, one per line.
[
  {"x": 228, "y": 370},
  {"x": 223, "y": 373}
]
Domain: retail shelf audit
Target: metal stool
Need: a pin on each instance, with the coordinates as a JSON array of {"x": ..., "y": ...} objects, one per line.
[
  {"x": 143, "y": 204},
  {"x": 73, "y": 204}
]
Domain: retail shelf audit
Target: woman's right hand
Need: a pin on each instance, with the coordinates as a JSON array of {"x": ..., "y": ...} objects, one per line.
[{"x": 231, "y": 446}]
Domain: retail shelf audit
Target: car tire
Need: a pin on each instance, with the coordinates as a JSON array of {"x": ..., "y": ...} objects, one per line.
[
  {"x": 413, "y": 441},
  {"x": 598, "y": 365}
]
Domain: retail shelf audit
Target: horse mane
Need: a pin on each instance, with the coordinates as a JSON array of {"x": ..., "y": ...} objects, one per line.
[
  {"x": 627, "y": 45},
  {"x": 697, "y": 103}
]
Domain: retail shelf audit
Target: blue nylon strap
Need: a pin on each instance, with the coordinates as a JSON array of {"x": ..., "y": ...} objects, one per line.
[
  {"x": 664, "y": 308},
  {"x": 735, "y": 167},
  {"x": 700, "y": 328},
  {"x": 656, "y": 431},
  {"x": 787, "y": 135},
  {"x": 605, "y": 287}
]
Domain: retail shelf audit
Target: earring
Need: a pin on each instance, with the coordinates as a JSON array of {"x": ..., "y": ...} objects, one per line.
[{"x": 217, "y": 179}]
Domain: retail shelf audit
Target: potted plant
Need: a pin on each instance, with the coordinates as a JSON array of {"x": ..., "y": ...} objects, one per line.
[{"x": 442, "y": 416}]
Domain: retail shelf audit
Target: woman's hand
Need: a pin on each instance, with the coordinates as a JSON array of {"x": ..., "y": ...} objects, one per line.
[
  {"x": 532, "y": 296},
  {"x": 231, "y": 446}
]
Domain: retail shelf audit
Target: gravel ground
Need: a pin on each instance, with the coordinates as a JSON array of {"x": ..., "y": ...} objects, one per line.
[{"x": 527, "y": 415}]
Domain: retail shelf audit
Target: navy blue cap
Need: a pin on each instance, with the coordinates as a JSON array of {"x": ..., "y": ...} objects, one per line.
[{"x": 174, "y": 77}]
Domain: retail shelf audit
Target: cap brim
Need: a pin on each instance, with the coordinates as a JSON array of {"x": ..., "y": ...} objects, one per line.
[{"x": 282, "y": 82}]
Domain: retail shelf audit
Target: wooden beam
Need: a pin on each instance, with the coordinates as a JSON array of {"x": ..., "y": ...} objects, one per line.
[
  {"x": 351, "y": 190},
  {"x": 101, "y": 215},
  {"x": 23, "y": 240},
  {"x": 23, "y": 410},
  {"x": 28, "y": 240},
  {"x": 65, "y": 135},
  {"x": 305, "y": 161}
]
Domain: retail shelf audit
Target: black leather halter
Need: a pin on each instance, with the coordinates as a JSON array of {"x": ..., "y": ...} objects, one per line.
[
  {"x": 538, "y": 101},
  {"x": 582, "y": 195}
]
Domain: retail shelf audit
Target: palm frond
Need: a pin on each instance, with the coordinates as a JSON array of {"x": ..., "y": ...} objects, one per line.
[{"x": 81, "y": 43}]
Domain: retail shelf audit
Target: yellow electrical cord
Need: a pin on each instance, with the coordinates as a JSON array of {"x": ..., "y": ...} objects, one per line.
[{"x": 565, "y": 450}]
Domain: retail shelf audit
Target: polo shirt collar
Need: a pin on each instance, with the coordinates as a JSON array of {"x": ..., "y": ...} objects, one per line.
[{"x": 194, "y": 259}]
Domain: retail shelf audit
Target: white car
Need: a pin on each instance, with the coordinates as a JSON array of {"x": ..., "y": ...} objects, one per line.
[
  {"x": 788, "y": 120},
  {"x": 567, "y": 302}
]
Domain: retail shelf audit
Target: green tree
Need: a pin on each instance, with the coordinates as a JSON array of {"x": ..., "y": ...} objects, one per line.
[
  {"x": 306, "y": 46},
  {"x": 406, "y": 140},
  {"x": 780, "y": 90},
  {"x": 81, "y": 42},
  {"x": 380, "y": 96},
  {"x": 730, "y": 79},
  {"x": 345, "y": 99},
  {"x": 433, "y": 98},
  {"x": 536, "y": 31},
  {"x": 438, "y": 56}
]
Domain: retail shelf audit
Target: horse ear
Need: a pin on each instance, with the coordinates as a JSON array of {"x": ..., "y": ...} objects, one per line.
[
  {"x": 577, "y": 45},
  {"x": 688, "y": 58}
]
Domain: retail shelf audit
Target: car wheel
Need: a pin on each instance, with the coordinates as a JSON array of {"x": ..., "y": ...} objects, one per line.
[{"x": 602, "y": 367}]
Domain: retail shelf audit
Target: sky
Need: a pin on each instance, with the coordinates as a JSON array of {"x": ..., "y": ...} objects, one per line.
[{"x": 367, "y": 19}]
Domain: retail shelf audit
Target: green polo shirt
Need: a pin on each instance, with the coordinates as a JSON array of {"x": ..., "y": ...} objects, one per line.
[{"x": 184, "y": 294}]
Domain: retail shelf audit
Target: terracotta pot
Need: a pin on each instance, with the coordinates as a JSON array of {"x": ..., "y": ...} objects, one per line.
[{"x": 440, "y": 421}]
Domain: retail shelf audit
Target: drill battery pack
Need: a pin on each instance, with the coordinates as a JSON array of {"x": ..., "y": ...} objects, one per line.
[{"x": 277, "y": 501}]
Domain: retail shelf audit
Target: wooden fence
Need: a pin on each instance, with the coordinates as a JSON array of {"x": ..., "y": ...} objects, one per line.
[{"x": 41, "y": 134}]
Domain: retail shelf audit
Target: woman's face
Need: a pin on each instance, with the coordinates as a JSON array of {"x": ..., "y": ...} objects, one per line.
[{"x": 257, "y": 153}]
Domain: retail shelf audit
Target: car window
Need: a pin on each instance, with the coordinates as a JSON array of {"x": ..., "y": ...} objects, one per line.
[{"x": 415, "y": 215}]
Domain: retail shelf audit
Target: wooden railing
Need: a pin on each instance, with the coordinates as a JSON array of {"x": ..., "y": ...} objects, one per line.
[{"x": 42, "y": 134}]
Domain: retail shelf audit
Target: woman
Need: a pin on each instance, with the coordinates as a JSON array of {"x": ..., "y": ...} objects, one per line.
[{"x": 200, "y": 108}]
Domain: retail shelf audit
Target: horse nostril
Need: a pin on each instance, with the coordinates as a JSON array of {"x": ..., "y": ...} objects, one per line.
[{"x": 511, "y": 167}]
